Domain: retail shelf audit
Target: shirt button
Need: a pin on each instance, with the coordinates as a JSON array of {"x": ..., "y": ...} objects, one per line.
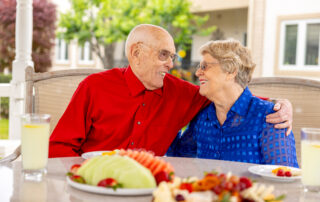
[
  {"x": 138, "y": 122},
  {"x": 132, "y": 143},
  {"x": 143, "y": 104}
]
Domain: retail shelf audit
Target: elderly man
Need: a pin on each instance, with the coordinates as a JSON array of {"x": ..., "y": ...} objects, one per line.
[{"x": 140, "y": 106}]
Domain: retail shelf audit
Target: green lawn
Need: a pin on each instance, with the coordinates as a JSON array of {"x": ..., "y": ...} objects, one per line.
[{"x": 4, "y": 128}]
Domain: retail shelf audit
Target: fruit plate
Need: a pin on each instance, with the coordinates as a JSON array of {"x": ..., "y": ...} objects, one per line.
[
  {"x": 265, "y": 171},
  {"x": 89, "y": 155},
  {"x": 109, "y": 191}
]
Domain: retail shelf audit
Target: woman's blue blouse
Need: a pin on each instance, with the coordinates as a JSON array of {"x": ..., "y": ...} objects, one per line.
[{"x": 245, "y": 136}]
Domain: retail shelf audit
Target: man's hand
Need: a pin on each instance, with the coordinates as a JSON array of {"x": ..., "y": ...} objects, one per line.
[{"x": 283, "y": 115}]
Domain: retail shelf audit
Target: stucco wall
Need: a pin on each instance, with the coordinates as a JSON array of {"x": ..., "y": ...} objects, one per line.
[
  {"x": 233, "y": 23},
  {"x": 275, "y": 8}
]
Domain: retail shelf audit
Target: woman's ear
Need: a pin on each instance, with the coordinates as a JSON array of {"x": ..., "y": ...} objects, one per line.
[{"x": 232, "y": 76}]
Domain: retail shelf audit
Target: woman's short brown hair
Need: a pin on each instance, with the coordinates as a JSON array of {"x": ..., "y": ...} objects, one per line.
[{"x": 232, "y": 56}]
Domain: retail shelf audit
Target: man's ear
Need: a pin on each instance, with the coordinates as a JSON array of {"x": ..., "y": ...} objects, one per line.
[{"x": 135, "y": 52}]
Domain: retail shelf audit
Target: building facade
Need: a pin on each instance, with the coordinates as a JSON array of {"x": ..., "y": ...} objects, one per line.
[{"x": 282, "y": 35}]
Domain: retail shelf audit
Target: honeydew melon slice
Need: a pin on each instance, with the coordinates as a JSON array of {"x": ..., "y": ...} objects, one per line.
[
  {"x": 125, "y": 170},
  {"x": 85, "y": 169},
  {"x": 107, "y": 168}
]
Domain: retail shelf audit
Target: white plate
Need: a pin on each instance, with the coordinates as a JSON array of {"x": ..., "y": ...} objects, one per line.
[
  {"x": 265, "y": 171},
  {"x": 89, "y": 155},
  {"x": 109, "y": 191}
]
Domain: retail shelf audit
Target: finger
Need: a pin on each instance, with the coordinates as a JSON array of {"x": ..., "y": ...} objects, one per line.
[
  {"x": 274, "y": 120},
  {"x": 277, "y": 106},
  {"x": 282, "y": 125},
  {"x": 273, "y": 115},
  {"x": 278, "y": 119},
  {"x": 289, "y": 130}
]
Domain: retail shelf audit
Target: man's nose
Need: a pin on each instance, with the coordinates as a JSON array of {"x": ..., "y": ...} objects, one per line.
[
  {"x": 170, "y": 63},
  {"x": 198, "y": 72}
]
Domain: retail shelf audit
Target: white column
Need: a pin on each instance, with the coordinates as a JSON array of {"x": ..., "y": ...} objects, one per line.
[{"x": 23, "y": 59}]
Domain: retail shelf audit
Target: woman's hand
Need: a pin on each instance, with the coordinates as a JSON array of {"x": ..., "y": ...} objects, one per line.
[{"x": 283, "y": 115}]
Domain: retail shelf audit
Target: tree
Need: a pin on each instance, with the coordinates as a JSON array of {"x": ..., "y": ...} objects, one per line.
[
  {"x": 102, "y": 23},
  {"x": 44, "y": 18}
]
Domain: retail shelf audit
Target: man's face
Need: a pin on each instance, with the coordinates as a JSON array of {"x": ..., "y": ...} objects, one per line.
[{"x": 156, "y": 60}]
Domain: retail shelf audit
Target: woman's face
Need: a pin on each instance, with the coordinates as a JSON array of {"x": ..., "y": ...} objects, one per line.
[{"x": 211, "y": 77}]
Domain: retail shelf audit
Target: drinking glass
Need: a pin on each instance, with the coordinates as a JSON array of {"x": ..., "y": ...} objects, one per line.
[
  {"x": 310, "y": 159},
  {"x": 34, "y": 145}
]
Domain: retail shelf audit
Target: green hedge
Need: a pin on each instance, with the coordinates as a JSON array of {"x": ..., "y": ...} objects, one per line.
[
  {"x": 5, "y": 78},
  {"x": 4, "y": 101}
]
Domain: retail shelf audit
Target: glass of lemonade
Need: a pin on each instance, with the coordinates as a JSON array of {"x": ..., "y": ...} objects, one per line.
[
  {"x": 34, "y": 145},
  {"x": 310, "y": 158}
]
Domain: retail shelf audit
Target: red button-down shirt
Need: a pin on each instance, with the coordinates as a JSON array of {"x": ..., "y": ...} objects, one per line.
[{"x": 113, "y": 110}]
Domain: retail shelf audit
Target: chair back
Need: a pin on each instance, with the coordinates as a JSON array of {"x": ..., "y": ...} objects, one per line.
[
  {"x": 304, "y": 94},
  {"x": 50, "y": 92}
]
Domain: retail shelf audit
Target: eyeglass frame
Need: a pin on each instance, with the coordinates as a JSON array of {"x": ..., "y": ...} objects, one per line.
[
  {"x": 173, "y": 56},
  {"x": 203, "y": 67}
]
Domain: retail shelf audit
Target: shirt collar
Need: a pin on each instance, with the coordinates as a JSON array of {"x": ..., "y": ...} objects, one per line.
[
  {"x": 135, "y": 85},
  {"x": 240, "y": 106}
]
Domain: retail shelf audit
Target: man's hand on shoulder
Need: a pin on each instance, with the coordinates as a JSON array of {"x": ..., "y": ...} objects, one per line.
[{"x": 283, "y": 115}]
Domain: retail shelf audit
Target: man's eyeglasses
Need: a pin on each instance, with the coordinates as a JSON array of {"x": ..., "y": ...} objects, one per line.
[
  {"x": 163, "y": 54},
  {"x": 204, "y": 66}
]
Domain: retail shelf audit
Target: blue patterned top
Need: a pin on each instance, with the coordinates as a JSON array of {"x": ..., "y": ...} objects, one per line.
[{"x": 245, "y": 135}]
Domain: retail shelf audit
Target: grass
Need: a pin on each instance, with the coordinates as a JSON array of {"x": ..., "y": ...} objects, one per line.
[{"x": 4, "y": 128}]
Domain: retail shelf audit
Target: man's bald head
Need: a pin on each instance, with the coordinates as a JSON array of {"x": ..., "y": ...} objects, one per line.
[{"x": 147, "y": 34}]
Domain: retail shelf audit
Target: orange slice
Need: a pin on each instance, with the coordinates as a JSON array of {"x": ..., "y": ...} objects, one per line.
[{"x": 109, "y": 153}]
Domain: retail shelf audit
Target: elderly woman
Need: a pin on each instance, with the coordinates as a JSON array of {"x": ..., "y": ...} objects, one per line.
[{"x": 233, "y": 127}]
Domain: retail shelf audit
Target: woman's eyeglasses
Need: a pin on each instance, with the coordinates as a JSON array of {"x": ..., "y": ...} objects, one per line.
[{"x": 204, "y": 66}]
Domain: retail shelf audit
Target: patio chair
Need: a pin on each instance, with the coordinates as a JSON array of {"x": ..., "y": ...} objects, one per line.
[
  {"x": 304, "y": 94},
  {"x": 50, "y": 93}
]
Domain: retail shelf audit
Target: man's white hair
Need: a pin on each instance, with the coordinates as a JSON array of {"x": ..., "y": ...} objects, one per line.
[{"x": 142, "y": 33}]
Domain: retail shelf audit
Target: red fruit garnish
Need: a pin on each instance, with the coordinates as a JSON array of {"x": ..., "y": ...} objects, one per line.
[
  {"x": 162, "y": 176},
  {"x": 217, "y": 189},
  {"x": 109, "y": 183},
  {"x": 186, "y": 186},
  {"x": 245, "y": 181},
  {"x": 280, "y": 173},
  {"x": 288, "y": 174},
  {"x": 74, "y": 168},
  {"x": 228, "y": 186},
  {"x": 222, "y": 177},
  {"x": 78, "y": 178}
]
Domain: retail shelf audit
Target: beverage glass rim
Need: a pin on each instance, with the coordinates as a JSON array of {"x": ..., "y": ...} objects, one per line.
[
  {"x": 311, "y": 130},
  {"x": 42, "y": 116}
]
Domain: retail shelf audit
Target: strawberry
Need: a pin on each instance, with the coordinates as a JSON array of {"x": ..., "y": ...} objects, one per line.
[
  {"x": 162, "y": 176},
  {"x": 288, "y": 174},
  {"x": 245, "y": 181},
  {"x": 186, "y": 186},
  {"x": 280, "y": 173},
  {"x": 217, "y": 189},
  {"x": 78, "y": 178},
  {"x": 74, "y": 168},
  {"x": 109, "y": 183}
]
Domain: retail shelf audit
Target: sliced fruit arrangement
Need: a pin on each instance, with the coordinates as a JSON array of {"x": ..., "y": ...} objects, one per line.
[
  {"x": 214, "y": 187},
  {"x": 125, "y": 168},
  {"x": 148, "y": 160},
  {"x": 283, "y": 171}
]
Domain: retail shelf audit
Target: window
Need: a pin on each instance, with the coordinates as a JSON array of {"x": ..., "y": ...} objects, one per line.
[
  {"x": 85, "y": 53},
  {"x": 61, "y": 50},
  {"x": 299, "y": 45}
]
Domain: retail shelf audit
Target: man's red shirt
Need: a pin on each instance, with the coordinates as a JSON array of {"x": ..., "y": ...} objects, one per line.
[{"x": 112, "y": 110}]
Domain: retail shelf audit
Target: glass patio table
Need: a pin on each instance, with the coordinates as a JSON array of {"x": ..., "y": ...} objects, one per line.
[{"x": 55, "y": 187}]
